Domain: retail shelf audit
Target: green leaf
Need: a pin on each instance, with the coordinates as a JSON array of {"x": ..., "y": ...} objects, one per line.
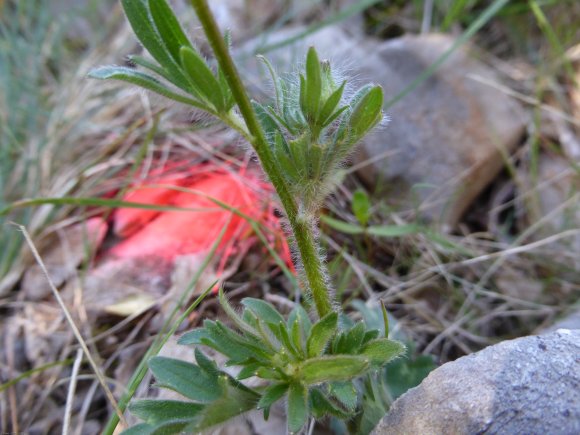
[
  {"x": 266, "y": 119},
  {"x": 158, "y": 411},
  {"x": 202, "y": 78},
  {"x": 233, "y": 403},
  {"x": 185, "y": 378},
  {"x": 225, "y": 87},
  {"x": 404, "y": 374},
  {"x": 385, "y": 319},
  {"x": 141, "y": 23},
  {"x": 370, "y": 335},
  {"x": 248, "y": 371},
  {"x": 145, "y": 81},
  {"x": 321, "y": 333},
  {"x": 263, "y": 310},
  {"x": 322, "y": 406},
  {"x": 168, "y": 28},
  {"x": 313, "y": 88},
  {"x": 168, "y": 427},
  {"x": 272, "y": 394},
  {"x": 352, "y": 340},
  {"x": 231, "y": 313},
  {"x": 332, "y": 368},
  {"x": 286, "y": 341},
  {"x": 367, "y": 112},
  {"x": 236, "y": 347},
  {"x": 157, "y": 69},
  {"x": 193, "y": 337},
  {"x": 361, "y": 207},
  {"x": 298, "y": 312},
  {"x": 297, "y": 407},
  {"x": 327, "y": 112},
  {"x": 394, "y": 230},
  {"x": 382, "y": 350},
  {"x": 206, "y": 364},
  {"x": 297, "y": 337},
  {"x": 139, "y": 429},
  {"x": 342, "y": 226},
  {"x": 346, "y": 393},
  {"x": 268, "y": 373},
  {"x": 275, "y": 80}
]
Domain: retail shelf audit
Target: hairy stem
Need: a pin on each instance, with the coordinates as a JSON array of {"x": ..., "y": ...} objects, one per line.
[{"x": 303, "y": 230}]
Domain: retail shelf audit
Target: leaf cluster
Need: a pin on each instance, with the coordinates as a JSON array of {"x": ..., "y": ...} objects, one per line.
[
  {"x": 177, "y": 70},
  {"x": 309, "y": 365},
  {"x": 312, "y": 127}
]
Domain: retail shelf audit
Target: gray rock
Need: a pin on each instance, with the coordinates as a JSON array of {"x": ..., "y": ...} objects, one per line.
[
  {"x": 570, "y": 321},
  {"x": 529, "y": 385},
  {"x": 445, "y": 137}
]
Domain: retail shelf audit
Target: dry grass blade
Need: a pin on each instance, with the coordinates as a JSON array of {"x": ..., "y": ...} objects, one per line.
[
  {"x": 71, "y": 392},
  {"x": 73, "y": 326}
]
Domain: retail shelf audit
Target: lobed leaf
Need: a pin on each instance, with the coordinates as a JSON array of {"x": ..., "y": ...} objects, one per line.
[{"x": 185, "y": 378}]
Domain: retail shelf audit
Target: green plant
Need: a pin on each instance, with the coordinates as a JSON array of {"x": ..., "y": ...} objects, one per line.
[{"x": 300, "y": 139}]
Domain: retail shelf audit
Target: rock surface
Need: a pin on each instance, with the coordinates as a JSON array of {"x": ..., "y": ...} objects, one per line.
[
  {"x": 570, "y": 321},
  {"x": 446, "y": 135},
  {"x": 530, "y": 385},
  {"x": 445, "y": 141}
]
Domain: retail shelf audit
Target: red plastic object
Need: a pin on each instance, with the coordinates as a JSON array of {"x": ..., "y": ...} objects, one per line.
[{"x": 167, "y": 234}]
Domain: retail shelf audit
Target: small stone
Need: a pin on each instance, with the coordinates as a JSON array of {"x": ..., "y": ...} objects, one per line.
[{"x": 486, "y": 392}]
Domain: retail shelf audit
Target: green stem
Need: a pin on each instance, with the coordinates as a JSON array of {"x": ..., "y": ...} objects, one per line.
[{"x": 302, "y": 229}]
